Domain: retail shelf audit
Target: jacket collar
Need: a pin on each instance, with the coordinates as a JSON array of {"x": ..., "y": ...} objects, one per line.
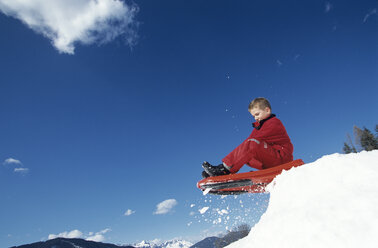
[{"x": 258, "y": 125}]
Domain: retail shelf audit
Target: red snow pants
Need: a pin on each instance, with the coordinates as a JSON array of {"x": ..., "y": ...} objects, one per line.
[{"x": 257, "y": 154}]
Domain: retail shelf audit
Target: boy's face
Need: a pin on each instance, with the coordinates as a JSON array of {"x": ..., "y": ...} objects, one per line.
[{"x": 260, "y": 114}]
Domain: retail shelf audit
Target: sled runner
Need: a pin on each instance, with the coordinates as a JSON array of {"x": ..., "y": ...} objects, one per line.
[{"x": 247, "y": 182}]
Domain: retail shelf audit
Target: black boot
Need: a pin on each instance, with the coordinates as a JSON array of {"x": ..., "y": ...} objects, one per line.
[
  {"x": 205, "y": 175},
  {"x": 214, "y": 171}
]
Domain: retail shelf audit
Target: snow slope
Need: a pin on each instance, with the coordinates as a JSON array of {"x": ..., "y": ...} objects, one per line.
[{"x": 332, "y": 202}]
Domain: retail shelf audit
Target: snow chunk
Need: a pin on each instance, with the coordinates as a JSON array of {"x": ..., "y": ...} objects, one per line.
[
  {"x": 206, "y": 191},
  {"x": 203, "y": 210},
  {"x": 222, "y": 212}
]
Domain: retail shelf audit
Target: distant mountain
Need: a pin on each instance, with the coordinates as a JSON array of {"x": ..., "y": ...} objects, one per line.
[
  {"x": 230, "y": 237},
  {"x": 209, "y": 242},
  {"x": 175, "y": 243},
  {"x": 70, "y": 243}
]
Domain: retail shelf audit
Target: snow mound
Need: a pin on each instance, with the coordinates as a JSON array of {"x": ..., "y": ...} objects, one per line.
[{"x": 332, "y": 202}]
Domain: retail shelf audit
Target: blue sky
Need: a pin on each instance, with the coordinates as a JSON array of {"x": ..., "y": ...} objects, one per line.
[{"x": 121, "y": 118}]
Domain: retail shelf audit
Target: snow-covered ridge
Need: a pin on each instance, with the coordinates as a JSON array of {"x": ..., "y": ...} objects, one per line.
[
  {"x": 332, "y": 202},
  {"x": 174, "y": 243}
]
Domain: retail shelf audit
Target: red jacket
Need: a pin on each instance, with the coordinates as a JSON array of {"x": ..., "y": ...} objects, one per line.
[
  {"x": 267, "y": 146},
  {"x": 272, "y": 131}
]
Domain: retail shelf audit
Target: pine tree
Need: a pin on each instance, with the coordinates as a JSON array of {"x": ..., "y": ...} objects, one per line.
[
  {"x": 347, "y": 149},
  {"x": 357, "y": 132},
  {"x": 368, "y": 141},
  {"x": 364, "y": 140}
]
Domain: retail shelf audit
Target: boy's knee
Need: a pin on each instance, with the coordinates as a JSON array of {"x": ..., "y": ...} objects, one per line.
[
  {"x": 254, "y": 144},
  {"x": 254, "y": 141}
]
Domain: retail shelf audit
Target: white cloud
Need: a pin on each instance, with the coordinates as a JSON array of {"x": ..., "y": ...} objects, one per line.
[
  {"x": 165, "y": 207},
  {"x": 105, "y": 231},
  {"x": 328, "y": 7},
  {"x": 279, "y": 63},
  {"x": 21, "y": 170},
  {"x": 12, "y": 161},
  {"x": 98, "y": 236},
  {"x": 69, "y": 235},
  {"x": 129, "y": 212},
  {"x": 372, "y": 12},
  {"x": 68, "y": 22}
]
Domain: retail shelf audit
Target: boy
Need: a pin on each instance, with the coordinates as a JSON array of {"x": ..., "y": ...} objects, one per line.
[{"x": 266, "y": 147}]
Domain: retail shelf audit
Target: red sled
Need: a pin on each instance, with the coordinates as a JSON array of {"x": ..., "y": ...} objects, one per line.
[{"x": 247, "y": 182}]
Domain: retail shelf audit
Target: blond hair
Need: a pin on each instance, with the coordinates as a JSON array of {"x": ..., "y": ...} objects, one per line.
[{"x": 259, "y": 102}]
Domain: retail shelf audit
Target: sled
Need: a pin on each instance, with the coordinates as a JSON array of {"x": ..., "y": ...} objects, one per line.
[{"x": 247, "y": 182}]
